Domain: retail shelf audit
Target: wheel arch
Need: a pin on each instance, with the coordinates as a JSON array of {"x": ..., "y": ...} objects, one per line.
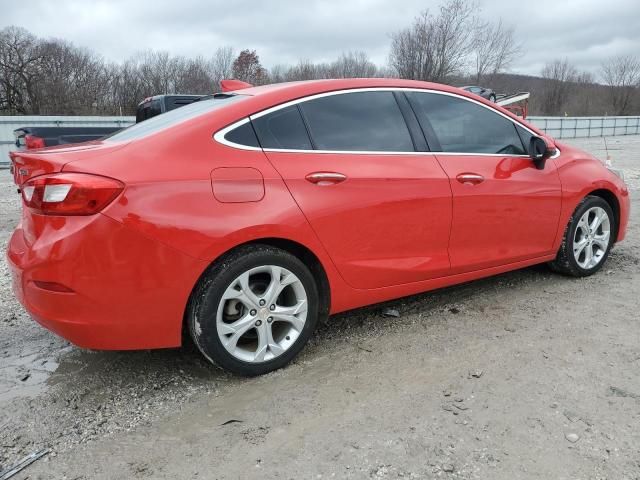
[
  {"x": 302, "y": 252},
  {"x": 611, "y": 198}
]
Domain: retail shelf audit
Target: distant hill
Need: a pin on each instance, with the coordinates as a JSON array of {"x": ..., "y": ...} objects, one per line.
[{"x": 582, "y": 98}]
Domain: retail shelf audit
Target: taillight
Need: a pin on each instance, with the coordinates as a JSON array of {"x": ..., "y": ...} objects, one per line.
[
  {"x": 31, "y": 142},
  {"x": 70, "y": 193}
]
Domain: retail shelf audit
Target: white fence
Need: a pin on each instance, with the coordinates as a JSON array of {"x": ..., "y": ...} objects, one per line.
[
  {"x": 577, "y": 127},
  {"x": 557, "y": 127},
  {"x": 9, "y": 123}
]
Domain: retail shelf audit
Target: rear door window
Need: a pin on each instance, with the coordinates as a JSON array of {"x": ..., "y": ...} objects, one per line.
[
  {"x": 358, "y": 121},
  {"x": 462, "y": 126},
  {"x": 282, "y": 129}
]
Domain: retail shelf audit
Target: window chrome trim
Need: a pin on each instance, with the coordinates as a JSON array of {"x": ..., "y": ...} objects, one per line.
[
  {"x": 219, "y": 135},
  {"x": 385, "y": 152}
]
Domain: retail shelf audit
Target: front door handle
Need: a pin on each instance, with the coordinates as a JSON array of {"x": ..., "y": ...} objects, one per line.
[
  {"x": 470, "y": 178},
  {"x": 325, "y": 178}
]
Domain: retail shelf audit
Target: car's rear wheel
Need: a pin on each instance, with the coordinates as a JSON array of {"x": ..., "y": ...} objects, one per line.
[
  {"x": 254, "y": 310},
  {"x": 492, "y": 98},
  {"x": 587, "y": 240}
]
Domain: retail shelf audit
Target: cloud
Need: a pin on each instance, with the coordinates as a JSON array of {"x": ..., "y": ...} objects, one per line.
[{"x": 283, "y": 31}]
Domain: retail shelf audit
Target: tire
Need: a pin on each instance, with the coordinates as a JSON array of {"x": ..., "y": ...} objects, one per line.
[
  {"x": 492, "y": 98},
  {"x": 573, "y": 256},
  {"x": 233, "y": 328}
]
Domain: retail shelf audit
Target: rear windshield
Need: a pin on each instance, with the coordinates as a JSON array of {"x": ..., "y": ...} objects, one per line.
[{"x": 174, "y": 117}]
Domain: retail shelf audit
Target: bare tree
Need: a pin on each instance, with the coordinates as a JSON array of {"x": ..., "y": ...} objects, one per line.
[
  {"x": 353, "y": 65},
  {"x": 73, "y": 80},
  {"x": 622, "y": 75},
  {"x": 221, "y": 65},
  {"x": 194, "y": 77},
  {"x": 559, "y": 74},
  {"x": 278, "y": 73},
  {"x": 435, "y": 46},
  {"x": 303, "y": 70},
  {"x": 21, "y": 56},
  {"x": 494, "y": 49}
]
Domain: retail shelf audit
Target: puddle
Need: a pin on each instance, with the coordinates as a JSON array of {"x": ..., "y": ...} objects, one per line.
[{"x": 25, "y": 374}]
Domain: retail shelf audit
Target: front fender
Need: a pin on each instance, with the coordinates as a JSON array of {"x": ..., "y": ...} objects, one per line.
[{"x": 581, "y": 175}]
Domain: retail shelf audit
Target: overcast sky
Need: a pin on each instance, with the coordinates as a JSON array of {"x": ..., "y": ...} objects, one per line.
[{"x": 283, "y": 31}]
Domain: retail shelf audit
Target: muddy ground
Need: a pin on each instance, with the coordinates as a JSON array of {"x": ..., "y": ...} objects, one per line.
[{"x": 524, "y": 375}]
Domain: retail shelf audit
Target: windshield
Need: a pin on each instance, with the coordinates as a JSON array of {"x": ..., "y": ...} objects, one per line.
[{"x": 169, "y": 119}]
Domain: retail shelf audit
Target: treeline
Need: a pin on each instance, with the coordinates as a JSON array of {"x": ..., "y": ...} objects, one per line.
[{"x": 449, "y": 45}]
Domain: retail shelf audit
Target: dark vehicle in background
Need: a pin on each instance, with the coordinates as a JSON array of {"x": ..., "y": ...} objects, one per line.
[
  {"x": 482, "y": 91},
  {"x": 152, "y": 106},
  {"x": 29, "y": 138}
]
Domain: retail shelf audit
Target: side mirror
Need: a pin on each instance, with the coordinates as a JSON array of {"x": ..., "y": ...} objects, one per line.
[{"x": 539, "y": 151}]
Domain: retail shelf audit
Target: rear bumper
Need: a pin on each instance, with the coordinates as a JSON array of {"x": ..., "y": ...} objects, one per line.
[{"x": 123, "y": 291}]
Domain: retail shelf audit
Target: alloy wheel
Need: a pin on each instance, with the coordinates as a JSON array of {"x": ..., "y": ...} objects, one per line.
[
  {"x": 591, "y": 238},
  {"x": 262, "y": 313}
]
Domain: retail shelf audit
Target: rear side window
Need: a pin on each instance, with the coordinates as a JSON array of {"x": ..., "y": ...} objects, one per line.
[
  {"x": 243, "y": 135},
  {"x": 359, "y": 121},
  {"x": 462, "y": 126},
  {"x": 282, "y": 129}
]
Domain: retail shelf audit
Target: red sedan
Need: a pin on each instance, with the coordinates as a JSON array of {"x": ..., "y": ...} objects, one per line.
[{"x": 246, "y": 217}]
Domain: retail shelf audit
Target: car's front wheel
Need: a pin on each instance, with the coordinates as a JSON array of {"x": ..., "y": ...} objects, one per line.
[
  {"x": 254, "y": 310},
  {"x": 588, "y": 238}
]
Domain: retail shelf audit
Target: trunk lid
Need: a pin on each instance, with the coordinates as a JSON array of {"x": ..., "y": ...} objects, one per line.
[{"x": 32, "y": 163}]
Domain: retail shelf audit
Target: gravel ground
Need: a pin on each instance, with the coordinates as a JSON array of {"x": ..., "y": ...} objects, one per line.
[{"x": 523, "y": 375}]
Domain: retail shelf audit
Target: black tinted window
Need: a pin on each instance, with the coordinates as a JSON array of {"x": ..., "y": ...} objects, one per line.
[
  {"x": 465, "y": 127},
  {"x": 525, "y": 136},
  {"x": 365, "y": 121},
  {"x": 282, "y": 129},
  {"x": 243, "y": 135}
]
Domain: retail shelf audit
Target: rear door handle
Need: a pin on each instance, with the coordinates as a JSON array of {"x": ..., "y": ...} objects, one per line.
[
  {"x": 470, "y": 178},
  {"x": 325, "y": 178}
]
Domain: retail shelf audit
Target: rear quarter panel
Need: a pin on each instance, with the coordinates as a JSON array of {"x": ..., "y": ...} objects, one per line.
[{"x": 169, "y": 197}]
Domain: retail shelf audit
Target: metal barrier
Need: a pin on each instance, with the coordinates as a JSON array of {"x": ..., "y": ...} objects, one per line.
[{"x": 580, "y": 127}]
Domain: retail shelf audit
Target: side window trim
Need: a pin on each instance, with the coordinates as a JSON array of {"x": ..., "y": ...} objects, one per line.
[
  {"x": 219, "y": 135},
  {"x": 415, "y": 132},
  {"x": 305, "y": 122},
  {"x": 427, "y": 130}
]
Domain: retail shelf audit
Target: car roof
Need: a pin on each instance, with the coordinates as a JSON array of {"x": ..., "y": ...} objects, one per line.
[
  {"x": 263, "y": 97},
  {"x": 310, "y": 87}
]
